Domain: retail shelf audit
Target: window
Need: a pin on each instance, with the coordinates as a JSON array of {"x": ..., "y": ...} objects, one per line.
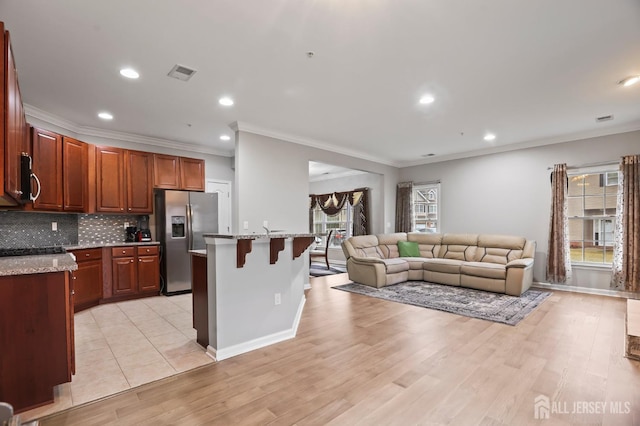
[
  {"x": 425, "y": 208},
  {"x": 342, "y": 224},
  {"x": 591, "y": 209}
]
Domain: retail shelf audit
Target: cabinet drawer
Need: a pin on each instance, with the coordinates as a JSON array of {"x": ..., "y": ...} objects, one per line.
[
  {"x": 123, "y": 251},
  {"x": 147, "y": 250},
  {"x": 88, "y": 254}
]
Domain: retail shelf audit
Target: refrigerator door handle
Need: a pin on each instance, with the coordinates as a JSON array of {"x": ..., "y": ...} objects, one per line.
[{"x": 189, "y": 227}]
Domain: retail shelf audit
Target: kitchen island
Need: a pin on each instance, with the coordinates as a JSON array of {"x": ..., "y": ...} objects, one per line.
[{"x": 255, "y": 290}]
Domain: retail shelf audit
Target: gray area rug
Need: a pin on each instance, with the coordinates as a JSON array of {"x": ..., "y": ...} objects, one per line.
[
  {"x": 320, "y": 270},
  {"x": 457, "y": 300}
]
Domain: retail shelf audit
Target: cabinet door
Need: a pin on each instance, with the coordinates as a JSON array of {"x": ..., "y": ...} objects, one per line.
[
  {"x": 75, "y": 165},
  {"x": 123, "y": 276},
  {"x": 109, "y": 179},
  {"x": 87, "y": 284},
  {"x": 191, "y": 174},
  {"x": 47, "y": 165},
  {"x": 139, "y": 172},
  {"x": 148, "y": 273},
  {"x": 166, "y": 174},
  {"x": 14, "y": 131}
]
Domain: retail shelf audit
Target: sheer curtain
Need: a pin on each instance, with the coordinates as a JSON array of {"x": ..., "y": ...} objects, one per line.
[
  {"x": 626, "y": 249},
  {"x": 404, "y": 207},
  {"x": 558, "y": 255}
]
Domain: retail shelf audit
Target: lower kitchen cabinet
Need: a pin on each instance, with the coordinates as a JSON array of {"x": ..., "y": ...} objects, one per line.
[
  {"x": 134, "y": 271},
  {"x": 87, "y": 279}
]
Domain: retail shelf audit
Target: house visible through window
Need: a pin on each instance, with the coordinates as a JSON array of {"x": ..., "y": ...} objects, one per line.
[
  {"x": 425, "y": 208},
  {"x": 342, "y": 224},
  {"x": 591, "y": 210}
]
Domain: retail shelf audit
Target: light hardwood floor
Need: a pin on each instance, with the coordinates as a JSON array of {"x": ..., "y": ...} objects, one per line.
[{"x": 360, "y": 360}]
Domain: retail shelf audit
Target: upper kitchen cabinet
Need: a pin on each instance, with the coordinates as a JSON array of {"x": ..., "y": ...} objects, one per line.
[
  {"x": 191, "y": 174},
  {"x": 110, "y": 179},
  {"x": 61, "y": 164},
  {"x": 173, "y": 172},
  {"x": 123, "y": 181},
  {"x": 13, "y": 126},
  {"x": 139, "y": 173},
  {"x": 47, "y": 165}
]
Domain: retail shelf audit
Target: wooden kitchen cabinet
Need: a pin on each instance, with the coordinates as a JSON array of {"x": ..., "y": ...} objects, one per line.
[
  {"x": 134, "y": 271},
  {"x": 87, "y": 279},
  {"x": 123, "y": 181},
  {"x": 191, "y": 174},
  {"x": 123, "y": 271},
  {"x": 173, "y": 172},
  {"x": 139, "y": 178},
  {"x": 13, "y": 126},
  {"x": 38, "y": 348},
  {"x": 148, "y": 269},
  {"x": 61, "y": 164},
  {"x": 47, "y": 165}
]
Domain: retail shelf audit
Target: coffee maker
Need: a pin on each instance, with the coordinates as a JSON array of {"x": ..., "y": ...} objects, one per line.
[{"x": 131, "y": 234}]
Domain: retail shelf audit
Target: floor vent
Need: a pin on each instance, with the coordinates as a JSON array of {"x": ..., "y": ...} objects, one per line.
[
  {"x": 604, "y": 118},
  {"x": 181, "y": 72}
]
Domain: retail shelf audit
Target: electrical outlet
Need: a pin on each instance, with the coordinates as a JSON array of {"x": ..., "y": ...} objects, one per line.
[
  {"x": 126, "y": 225},
  {"x": 265, "y": 223},
  {"x": 278, "y": 299},
  {"x": 54, "y": 226},
  {"x": 246, "y": 225}
]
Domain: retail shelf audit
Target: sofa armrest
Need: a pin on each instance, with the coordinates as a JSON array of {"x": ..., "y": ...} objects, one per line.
[
  {"x": 358, "y": 259},
  {"x": 520, "y": 263},
  {"x": 367, "y": 270}
]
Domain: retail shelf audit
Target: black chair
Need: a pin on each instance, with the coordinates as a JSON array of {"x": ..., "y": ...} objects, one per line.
[{"x": 322, "y": 252}]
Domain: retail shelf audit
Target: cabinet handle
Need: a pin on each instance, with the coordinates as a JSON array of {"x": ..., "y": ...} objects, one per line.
[
  {"x": 131, "y": 261},
  {"x": 121, "y": 208},
  {"x": 87, "y": 255},
  {"x": 139, "y": 260},
  {"x": 75, "y": 278},
  {"x": 123, "y": 252},
  {"x": 129, "y": 208}
]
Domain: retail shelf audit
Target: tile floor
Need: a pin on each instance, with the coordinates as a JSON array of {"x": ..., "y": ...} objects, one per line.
[{"x": 126, "y": 344}]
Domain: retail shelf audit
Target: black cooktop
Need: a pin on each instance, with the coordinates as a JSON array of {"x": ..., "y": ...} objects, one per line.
[{"x": 30, "y": 251}]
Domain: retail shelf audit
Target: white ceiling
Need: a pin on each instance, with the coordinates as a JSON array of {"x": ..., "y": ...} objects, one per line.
[{"x": 532, "y": 72}]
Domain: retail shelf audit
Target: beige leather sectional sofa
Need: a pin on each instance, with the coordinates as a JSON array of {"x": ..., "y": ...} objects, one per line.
[{"x": 498, "y": 263}]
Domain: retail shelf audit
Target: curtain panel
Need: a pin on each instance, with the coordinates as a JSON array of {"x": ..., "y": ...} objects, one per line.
[
  {"x": 332, "y": 203},
  {"x": 404, "y": 206},
  {"x": 626, "y": 249},
  {"x": 558, "y": 254}
]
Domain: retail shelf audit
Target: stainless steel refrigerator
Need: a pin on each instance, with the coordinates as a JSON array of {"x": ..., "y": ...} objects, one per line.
[{"x": 181, "y": 219}]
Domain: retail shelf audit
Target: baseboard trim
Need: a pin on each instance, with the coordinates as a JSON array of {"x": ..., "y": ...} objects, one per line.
[
  {"x": 261, "y": 342},
  {"x": 586, "y": 290},
  {"x": 307, "y": 286}
]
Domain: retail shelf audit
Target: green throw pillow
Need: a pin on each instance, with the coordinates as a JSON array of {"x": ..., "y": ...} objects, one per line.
[{"x": 408, "y": 249}]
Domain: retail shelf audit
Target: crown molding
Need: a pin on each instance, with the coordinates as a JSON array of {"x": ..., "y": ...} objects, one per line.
[
  {"x": 79, "y": 131},
  {"x": 632, "y": 127},
  {"x": 313, "y": 143}
]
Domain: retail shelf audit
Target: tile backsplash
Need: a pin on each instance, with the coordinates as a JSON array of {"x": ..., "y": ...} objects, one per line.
[{"x": 28, "y": 229}]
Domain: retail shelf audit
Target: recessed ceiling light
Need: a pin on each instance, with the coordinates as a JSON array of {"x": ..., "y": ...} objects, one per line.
[
  {"x": 427, "y": 99},
  {"x": 105, "y": 116},
  {"x": 129, "y": 73},
  {"x": 489, "y": 137},
  {"x": 225, "y": 138},
  {"x": 630, "y": 80},
  {"x": 225, "y": 101}
]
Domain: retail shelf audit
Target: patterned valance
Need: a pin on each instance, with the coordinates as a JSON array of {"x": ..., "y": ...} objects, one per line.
[{"x": 332, "y": 203}]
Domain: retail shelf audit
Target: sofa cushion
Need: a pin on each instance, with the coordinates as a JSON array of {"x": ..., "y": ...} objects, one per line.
[
  {"x": 388, "y": 244},
  {"x": 500, "y": 249},
  {"x": 393, "y": 266},
  {"x": 484, "y": 269},
  {"x": 415, "y": 262},
  {"x": 429, "y": 244},
  {"x": 408, "y": 249},
  {"x": 449, "y": 266},
  {"x": 365, "y": 246},
  {"x": 459, "y": 247}
]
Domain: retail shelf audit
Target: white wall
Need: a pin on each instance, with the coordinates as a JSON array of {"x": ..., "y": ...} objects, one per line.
[
  {"x": 509, "y": 193},
  {"x": 272, "y": 182}
]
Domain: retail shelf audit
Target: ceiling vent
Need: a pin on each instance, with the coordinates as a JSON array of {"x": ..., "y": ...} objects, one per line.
[
  {"x": 604, "y": 118},
  {"x": 181, "y": 72}
]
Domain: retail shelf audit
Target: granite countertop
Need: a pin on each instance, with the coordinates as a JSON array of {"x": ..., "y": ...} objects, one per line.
[
  {"x": 100, "y": 245},
  {"x": 22, "y": 265},
  {"x": 255, "y": 236},
  {"x": 201, "y": 253}
]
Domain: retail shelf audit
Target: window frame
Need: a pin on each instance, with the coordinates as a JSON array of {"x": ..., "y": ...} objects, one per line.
[
  {"x": 343, "y": 232},
  {"x": 429, "y": 210}
]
